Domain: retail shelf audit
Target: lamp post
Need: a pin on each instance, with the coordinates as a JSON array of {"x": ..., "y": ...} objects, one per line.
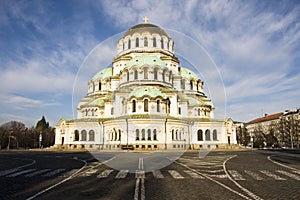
[{"x": 8, "y": 145}]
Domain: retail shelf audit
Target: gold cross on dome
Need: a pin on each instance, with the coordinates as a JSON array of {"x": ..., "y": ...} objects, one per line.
[{"x": 145, "y": 20}]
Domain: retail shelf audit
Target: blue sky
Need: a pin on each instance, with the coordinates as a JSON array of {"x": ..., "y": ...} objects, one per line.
[{"x": 255, "y": 45}]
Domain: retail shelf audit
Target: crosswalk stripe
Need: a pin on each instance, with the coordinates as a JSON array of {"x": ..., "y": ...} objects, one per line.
[
  {"x": 139, "y": 174},
  {"x": 37, "y": 172},
  {"x": 193, "y": 174},
  {"x": 175, "y": 174},
  {"x": 9, "y": 171},
  {"x": 122, "y": 174},
  {"x": 276, "y": 177},
  {"x": 294, "y": 176},
  {"x": 20, "y": 173},
  {"x": 105, "y": 173},
  {"x": 157, "y": 174},
  {"x": 253, "y": 175},
  {"x": 297, "y": 171},
  {"x": 89, "y": 172},
  {"x": 52, "y": 173},
  {"x": 236, "y": 175}
]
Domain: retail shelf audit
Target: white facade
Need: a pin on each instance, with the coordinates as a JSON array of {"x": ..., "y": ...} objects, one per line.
[{"x": 145, "y": 100}]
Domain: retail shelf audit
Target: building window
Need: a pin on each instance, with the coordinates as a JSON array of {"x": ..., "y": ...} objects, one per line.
[
  {"x": 157, "y": 106},
  {"x": 191, "y": 83},
  {"x": 200, "y": 135},
  {"x": 137, "y": 42},
  {"x": 162, "y": 43},
  {"x": 91, "y": 135},
  {"x": 123, "y": 46},
  {"x": 145, "y": 73},
  {"x": 154, "y": 135},
  {"x": 154, "y": 42},
  {"x": 129, "y": 44},
  {"x": 176, "y": 135},
  {"x": 155, "y": 73},
  {"x": 183, "y": 84},
  {"x": 112, "y": 111},
  {"x": 215, "y": 137},
  {"x": 99, "y": 85},
  {"x": 135, "y": 74},
  {"x": 83, "y": 135},
  {"x": 170, "y": 76},
  {"x": 163, "y": 75},
  {"x": 179, "y": 110},
  {"x": 207, "y": 135},
  {"x": 119, "y": 135},
  {"x": 146, "y": 105},
  {"x": 145, "y": 41},
  {"x": 76, "y": 135},
  {"x": 133, "y": 106},
  {"x": 137, "y": 132},
  {"x": 149, "y": 134},
  {"x": 173, "y": 134},
  {"x": 127, "y": 75},
  {"x": 199, "y": 112},
  {"x": 168, "y": 104},
  {"x": 143, "y": 134}
]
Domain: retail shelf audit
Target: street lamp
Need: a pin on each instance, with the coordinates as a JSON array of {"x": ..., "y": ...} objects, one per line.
[{"x": 8, "y": 145}]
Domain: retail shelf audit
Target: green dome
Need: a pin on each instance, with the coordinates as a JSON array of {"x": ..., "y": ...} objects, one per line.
[
  {"x": 188, "y": 74},
  {"x": 145, "y": 27},
  {"x": 146, "y": 91},
  {"x": 103, "y": 74},
  {"x": 145, "y": 60}
]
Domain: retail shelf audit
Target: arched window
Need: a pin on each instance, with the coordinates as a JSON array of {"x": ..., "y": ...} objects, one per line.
[
  {"x": 112, "y": 111},
  {"x": 215, "y": 136},
  {"x": 119, "y": 135},
  {"x": 172, "y": 134},
  {"x": 207, "y": 135},
  {"x": 127, "y": 75},
  {"x": 145, "y": 73},
  {"x": 200, "y": 135},
  {"x": 133, "y": 106},
  {"x": 163, "y": 75},
  {"x": 183, "y": 84},
  {"x": 157, "y": 106},
  {"x": 137, "y": 42},
  {"x": 170, "y": 76},
  {"x": 99, "y": 85},
  {"x": 199, "y": 111},
  {"x": 129, "y": 44},
  {"x": 83, "y": 135},
  {"x": 123, "y": 46},
  {"x": 162, "y": 43},
  {"x": 91, "y": 135},
  {"x": 145, "y": 41},
  {"x": 143, "y": 134},
  {"x": 154, "y": 135},
  {"x": 149, "y": 134},
  {"x": 155, "y": 73},
  {"x": 146, "y": 105},
  {"x": 135, "y": 74},
  {"x": 168, "y": 104},
  {"x": 191, "y": 83},
  {"x": 137, "y": 136},
  {"x": 76, "y": 135},
  {"x": 154, "y": 42}
]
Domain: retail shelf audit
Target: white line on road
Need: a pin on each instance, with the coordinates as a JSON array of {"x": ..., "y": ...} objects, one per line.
[
  {"x": 20, "y": 173},
  {"x": 122, "y": 174},
  {"x": 157, "y": 174},
  {"x": 253, "y": 175},
  {"x": 139, "y": 174},
  {"x": 141, "y": 163},
  {"x": 37, "y": 172},
  {"x": 277, "y": 163},
  {"x": 52, "y": 173},
  {"x": 236, "y": 175},
  {"x": 105, "y": 173},
  {"x": 175, "y": 174},
  {"x": 294, "y": 176},
  {"x": 193, "y": 174},
  {"x": 269, "y": 174},
  {"x": 9, "y": 171},
  {"x": 137, "y": 187}
]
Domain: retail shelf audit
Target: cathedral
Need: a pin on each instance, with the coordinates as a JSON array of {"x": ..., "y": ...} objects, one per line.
[{"x": 145, "y": 101}]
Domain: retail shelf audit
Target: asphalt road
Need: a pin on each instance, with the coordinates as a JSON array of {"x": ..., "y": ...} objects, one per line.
[{"x": 252, "y": 174}]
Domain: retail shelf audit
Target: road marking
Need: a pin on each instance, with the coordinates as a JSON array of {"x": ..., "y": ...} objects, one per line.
[
  {"x": 217, "y": 175},
  {"x": 236, "y": 175},
  {"x": 294, "y": 176},
  {"x": 122, "y": 174},
  {"x": 9, "y": 171},
  {"x": 37, "y": 172},
  {"x": 141, "y": 163},
  {"x": 269, "y": 174},
  {"x": 52, "y": 173},
  {"x": 248, "y": 192},
  {"x": 297, "y": 171},
  {"x": 277, "y": 163},
  {"x": 175, "y": 174},
  {"x": 89, "y": 172},
  {"x": 20, "y": 173},
  {"x": 213, "y": 171},
  {"x": 253, "y": 175},
  {"x": 157, "y": 174},
  {"x": 136, "y": 191},
  {"x": 139, "y": 174},
  {"x": 105, "y": 173},
  {"x": 192, "y": 174}
]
